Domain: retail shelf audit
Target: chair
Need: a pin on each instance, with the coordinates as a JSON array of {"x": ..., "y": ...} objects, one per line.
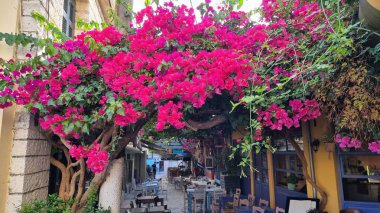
[
  {"x": 244, "y": 202},
  {"x": 215, "y": 200},
  {"x": 163, "y": 189},
  {"x": 350, "y": 211},
  {"x": 258, "y": 210},
  {"x": 263, "y": 202},
  {"x": 235, "y": 203},
  {"x": 199, "y": 197},
  {"x": 185, "y": 199},
  {"x": 251, "y": 200},
  {"x": 280, "y": 210}
]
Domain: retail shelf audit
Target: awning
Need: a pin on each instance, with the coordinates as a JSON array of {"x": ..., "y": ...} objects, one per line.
[{"x": 151, "y": 145}]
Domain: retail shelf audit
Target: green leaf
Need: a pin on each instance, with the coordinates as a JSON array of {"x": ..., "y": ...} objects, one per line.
[
  {"x": 240, "y": 4},
  {"x": 120, "y": 111},
  {"x": 148, "y": 2}
]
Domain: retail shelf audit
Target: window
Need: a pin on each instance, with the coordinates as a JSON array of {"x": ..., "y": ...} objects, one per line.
[
  {"x": 261, "y": 165},
  {"x": 68, "y": 17},
  {"x": 286, "y": 162},
  {"x": 360, "y": 174}
]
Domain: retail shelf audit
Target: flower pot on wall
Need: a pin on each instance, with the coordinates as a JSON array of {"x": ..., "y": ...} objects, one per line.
[
  {"x": 330, "y": 147},
  {"x": 291, "y": 186}
]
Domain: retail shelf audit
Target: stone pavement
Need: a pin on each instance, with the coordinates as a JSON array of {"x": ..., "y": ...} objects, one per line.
[{"x": 175, "y": 200}]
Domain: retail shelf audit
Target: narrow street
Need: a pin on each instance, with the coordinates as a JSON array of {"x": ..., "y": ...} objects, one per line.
[{"x": 174, "y": 200}]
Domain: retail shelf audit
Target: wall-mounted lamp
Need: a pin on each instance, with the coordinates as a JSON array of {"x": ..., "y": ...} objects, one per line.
[{"x": 315, "y": 145}]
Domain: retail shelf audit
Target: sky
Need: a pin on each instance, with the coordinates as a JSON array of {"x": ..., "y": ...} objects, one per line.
[{"x": 247, "y": 6}]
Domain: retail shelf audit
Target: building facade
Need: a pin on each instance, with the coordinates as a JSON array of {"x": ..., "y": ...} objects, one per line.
[{"x": 24, "y": 154}]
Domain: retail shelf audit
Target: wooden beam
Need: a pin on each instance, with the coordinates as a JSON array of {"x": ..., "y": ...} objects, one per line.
[{"x": 272, "y": 195}]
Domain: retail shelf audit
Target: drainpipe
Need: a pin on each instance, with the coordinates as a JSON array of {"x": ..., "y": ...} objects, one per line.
[{"x": 311, "y": 159}]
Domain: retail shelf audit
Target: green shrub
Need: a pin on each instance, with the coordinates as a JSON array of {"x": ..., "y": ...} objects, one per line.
[{"x": 53, "y": 204}]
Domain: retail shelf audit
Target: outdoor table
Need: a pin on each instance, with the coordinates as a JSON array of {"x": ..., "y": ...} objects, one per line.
[
  {"x": 199, "y": 183},
  {"x": 148, "y": 200},
  {"x": 248, "y": 209},
  {"x": 209, "y": 194},
  {"x": 151, "y": 186},
  {"x": 156, "y": 209},
  {"x": 138, "y": 210}
]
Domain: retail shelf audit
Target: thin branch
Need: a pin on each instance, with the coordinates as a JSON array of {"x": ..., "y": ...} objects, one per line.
[
  {"x": 72, "y": 184},
  {"x": 64, "y": 179},
  {"x": 194, "y": 125},
  {"x": 81, "y": 180}
]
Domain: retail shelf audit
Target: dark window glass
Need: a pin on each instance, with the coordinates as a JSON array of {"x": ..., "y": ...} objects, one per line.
[
  {"x": 361, "y": 189},
  {"x": 360, "y": 177},
  {"x": 68, "y": 17}
]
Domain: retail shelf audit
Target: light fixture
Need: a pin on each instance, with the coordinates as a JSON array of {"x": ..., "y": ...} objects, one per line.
[{"x": 315, "y": 145}]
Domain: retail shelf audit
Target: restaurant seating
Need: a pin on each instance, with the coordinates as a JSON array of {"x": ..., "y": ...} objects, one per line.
[
  {"x": 257, "y": 209},
  {"x": 163, "y": 188},
  {"x": 238, "y": 191},
  {"x": 251, "y": 200},
  {"x": 215, "y": 200},
  {"x": 244, "y": 202},
  {"x": 199, "y": 197},
  {"x": 235, "y": 203},
  {"x": 263, "y": 202},
  {"x": 280, "y": 210}
]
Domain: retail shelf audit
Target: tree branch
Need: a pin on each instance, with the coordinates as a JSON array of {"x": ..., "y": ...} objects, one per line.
[
  {"x": 64, "y": 179},
  {"x": 194, "y": 125}
]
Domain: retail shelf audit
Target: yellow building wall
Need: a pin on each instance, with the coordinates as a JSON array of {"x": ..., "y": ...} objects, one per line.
[
  {"x": 325, "y": 165},
  {"x": 8, "y": 23}
]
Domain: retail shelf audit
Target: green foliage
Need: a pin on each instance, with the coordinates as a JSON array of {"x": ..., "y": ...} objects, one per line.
[
  {"x": 50, "y": 26},
  {"x": 17, "y": 39},
  {"x": 83, "y": 25},
  {"x": 91, "y": 206},
  {"x": 53, "y": 204}
]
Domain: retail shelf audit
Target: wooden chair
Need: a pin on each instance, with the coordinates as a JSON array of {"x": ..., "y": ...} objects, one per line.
[
  {"x": 258, "y": 210},
  {"x": 244, "y": 202},
  {"x": 163, "y": 189},
  {"x": 263, "y": 202},
  {"x": 350, "y": 211},
  {"x": 235, "y": 203},
  {"x": 199, "y": 197},
  {"x": 215, "y": 200},
  {"x": 280, "y": 210},
  {"x": 251, "y": 200}
]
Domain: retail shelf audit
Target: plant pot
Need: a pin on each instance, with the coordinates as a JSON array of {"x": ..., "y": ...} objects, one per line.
[
  {"x": 291, "y": 186},
  {"x": 330, "y": 147}
]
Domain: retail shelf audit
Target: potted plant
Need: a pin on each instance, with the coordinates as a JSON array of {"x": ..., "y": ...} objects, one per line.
[{"x": 292, "y": 181}]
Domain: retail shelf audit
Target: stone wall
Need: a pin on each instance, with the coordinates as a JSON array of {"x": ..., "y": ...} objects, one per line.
[
  {"x": 30, "y": 165},
  {"x": 29, "y": 169}
]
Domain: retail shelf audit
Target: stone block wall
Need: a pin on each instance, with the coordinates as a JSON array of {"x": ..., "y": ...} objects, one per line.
[
  {"x": 29, "y": 164},
  {"x": 29, "y": 169}
]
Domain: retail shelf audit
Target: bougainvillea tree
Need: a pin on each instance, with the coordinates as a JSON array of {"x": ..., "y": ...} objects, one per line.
[{"x": 94, "y": 93}]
